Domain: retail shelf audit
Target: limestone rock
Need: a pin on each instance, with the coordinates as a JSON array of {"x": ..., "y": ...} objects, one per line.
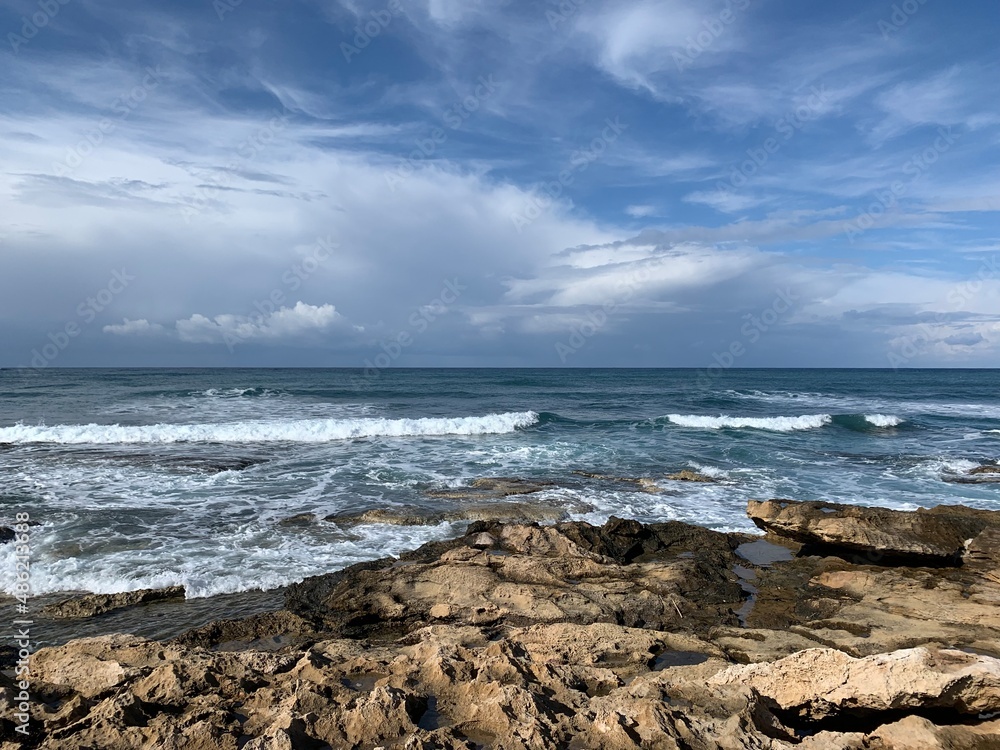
[
  {"x": 931, "y": 535},
  {"x": 819, "y": 683}
]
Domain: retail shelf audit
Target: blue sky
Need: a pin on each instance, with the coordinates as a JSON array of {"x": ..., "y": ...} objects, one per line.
[{"x": 446, "y": 183}]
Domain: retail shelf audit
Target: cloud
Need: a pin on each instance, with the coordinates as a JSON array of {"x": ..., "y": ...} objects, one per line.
[
  {"x": 725, "y": 201},
  {"x": 640, "y": 211},
  {"x": 965, "y": 339},
  {"x": 141, "y": 327},
  {"x": 284, "y": 325}
]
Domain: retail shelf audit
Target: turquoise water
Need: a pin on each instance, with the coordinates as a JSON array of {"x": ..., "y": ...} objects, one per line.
[{"x": 144, "y": 478}]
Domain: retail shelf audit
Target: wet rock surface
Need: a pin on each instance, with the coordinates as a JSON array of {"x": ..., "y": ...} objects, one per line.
[
  {"x": 90, "y": 605},
  {"x": 626, "y": 635}
]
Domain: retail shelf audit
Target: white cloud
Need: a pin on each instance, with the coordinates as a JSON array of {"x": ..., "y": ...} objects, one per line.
[
  {"x": 725, "y": 201},
  {"x": 641, "y": 211},
  {"x": 133, "y": 328},
  {"x": 281, "y": 325}
]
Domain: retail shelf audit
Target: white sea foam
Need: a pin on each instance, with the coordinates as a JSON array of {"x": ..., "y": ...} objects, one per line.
[
  {"x": 293, "y": 431},
  {"x": 884, "y": 420},
  {"x": 778, "y": 424}
]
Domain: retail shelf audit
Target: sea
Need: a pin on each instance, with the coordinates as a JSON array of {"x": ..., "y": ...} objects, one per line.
[{"x": 150, "y": 478}]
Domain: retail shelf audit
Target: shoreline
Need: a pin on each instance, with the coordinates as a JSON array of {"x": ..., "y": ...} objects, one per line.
[{"x": 626, "y": 635}]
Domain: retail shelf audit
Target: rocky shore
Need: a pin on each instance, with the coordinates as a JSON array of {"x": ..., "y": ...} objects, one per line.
[{"x": 843, "y": 627}]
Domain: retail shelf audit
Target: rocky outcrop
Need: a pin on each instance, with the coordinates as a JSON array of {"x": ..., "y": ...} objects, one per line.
[
  {"x": 823, "y": 683},
  {"x": 520, "y": 636},
  {"x": 929, "y": 535}
]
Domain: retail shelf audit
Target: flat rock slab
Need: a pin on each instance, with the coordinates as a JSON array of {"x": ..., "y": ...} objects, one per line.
[{"x": 930, "y": 535}]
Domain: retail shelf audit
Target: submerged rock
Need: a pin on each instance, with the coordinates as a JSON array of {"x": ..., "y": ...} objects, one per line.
[
  {"x": 90, "y": 605},
  {"x": 508, "y": 512},
  {"x": 686, "y": 475},
  {"x": 492, "y": 487}
]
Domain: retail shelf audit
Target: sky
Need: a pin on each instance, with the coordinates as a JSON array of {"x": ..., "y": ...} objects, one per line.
[{"x": 748, "y": 183}]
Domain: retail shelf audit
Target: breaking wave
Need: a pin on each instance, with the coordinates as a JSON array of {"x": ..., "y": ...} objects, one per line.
[{"x": 290, "y": 431}]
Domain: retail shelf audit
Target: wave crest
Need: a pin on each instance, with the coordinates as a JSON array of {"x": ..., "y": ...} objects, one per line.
[
  {"x": 778, "y": 424},
  {"x": 884, "y": 420},
  {"x": 290, "y": 431}
]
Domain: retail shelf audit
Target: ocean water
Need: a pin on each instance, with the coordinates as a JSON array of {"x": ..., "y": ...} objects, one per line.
[{"x": 150, "y": 478}]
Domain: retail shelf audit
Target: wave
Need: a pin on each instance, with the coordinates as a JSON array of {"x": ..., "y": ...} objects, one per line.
[
  {"x": 290, "y": 431},
  {"x": 884, "y": 420},
  {"x": 778, "y": 424}
]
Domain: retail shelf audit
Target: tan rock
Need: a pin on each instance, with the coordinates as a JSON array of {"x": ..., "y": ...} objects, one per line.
[{"x": 819, "y": 683}]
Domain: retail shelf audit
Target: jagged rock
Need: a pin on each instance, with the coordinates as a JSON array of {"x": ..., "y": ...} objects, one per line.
[
  {"x": 820, "y": 683},
  {"x": 570, "y": 636},
  {"x": 90, "y": 605},
  {"x": 686, "y": 475},
  {"x": 483, "y": 541},
  {"x": 573, "y": 572},
  {"x": 6, "y": 534},
  {"x": 986, "y": 469},
  {"x": 928, "y": 535}
]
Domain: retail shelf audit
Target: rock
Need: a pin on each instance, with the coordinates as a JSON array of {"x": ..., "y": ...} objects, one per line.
[
  {"x": 686, "y": 475},
  {"x": 91, "y": 605},
  {"x": 645, "y": 484},
  {"x": 569, "y": 636},
  {"x": 623, "y": 572},
  {"x": 927, "y": 536},
  {"x": 510, "y": 512},
  {"x": 986, "y": 469},
  {"x": 821, "y": 683},
  {"x": 299, "y": 519},
  {"x": 6, "y": 534},
  {"x": 493, "y": 487},
  {"x": 483, "y": 541}
]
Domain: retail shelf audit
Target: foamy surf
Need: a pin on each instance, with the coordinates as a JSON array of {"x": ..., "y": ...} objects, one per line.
[
  {"x": 884, "y": 420},
  {"x": 285, "y": 431},
  {"x": 777, "y": 424}
]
